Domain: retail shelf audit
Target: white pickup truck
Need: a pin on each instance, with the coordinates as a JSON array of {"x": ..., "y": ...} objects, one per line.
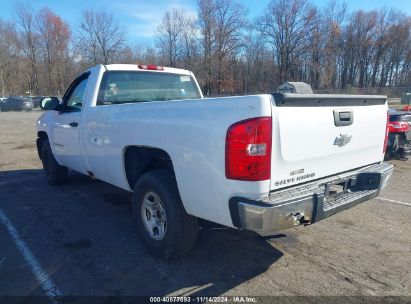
[{"x": 261, "y": 162}]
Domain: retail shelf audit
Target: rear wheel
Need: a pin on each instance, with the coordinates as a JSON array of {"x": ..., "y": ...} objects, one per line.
[
  {"x": 163, "y": 224},
  {"x": 55, "y": 173}
]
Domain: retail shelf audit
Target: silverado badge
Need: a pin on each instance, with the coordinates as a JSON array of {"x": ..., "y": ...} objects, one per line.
[{"x": 342, "y": 140}]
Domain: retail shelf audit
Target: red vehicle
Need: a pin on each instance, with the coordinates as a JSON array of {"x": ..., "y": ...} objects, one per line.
[{"x": 399, "y": 137}]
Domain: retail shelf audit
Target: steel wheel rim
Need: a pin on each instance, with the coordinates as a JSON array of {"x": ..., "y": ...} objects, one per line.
[{"x": 154, "y": 216}]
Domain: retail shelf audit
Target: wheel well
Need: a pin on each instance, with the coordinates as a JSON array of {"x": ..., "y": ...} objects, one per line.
[
  {"x": 140, "y": 160},
  {"x": 41, "y": 137}
]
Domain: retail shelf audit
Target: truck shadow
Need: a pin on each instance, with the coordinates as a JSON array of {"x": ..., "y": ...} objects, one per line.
[{"x": 93, "y": 249}]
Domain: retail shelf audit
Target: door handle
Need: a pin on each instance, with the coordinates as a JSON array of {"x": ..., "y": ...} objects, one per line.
[{"x": 73, "y": 124}]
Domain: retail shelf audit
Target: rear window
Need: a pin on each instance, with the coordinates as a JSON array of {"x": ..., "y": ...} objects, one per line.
[{"x": 119, "y": 87}]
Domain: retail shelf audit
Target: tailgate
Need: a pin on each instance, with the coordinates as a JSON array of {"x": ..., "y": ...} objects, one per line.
[{"x": 315, "y": 136}]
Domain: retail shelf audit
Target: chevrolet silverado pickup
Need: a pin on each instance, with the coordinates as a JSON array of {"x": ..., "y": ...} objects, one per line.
[{"x": 260, "y": 162}]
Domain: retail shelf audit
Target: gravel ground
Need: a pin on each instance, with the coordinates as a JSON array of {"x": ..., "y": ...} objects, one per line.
[{"x": 83, "y": 236}]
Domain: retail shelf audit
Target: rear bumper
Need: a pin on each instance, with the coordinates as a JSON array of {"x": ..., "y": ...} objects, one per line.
[{"x": 310, "y": 202}]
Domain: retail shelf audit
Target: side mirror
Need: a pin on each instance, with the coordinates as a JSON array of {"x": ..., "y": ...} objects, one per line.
[{"x": 50, "y": 103}]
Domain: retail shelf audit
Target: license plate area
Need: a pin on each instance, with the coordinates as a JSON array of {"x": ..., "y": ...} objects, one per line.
[{"x": 335, "y": 189}]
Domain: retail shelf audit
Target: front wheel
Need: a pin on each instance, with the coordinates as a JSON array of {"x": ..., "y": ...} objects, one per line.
[
  {"x": 163, "y": 224},
  {"x": 55, "y": 173}
]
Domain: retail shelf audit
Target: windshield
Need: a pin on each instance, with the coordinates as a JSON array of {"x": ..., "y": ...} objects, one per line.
[
  {"x": 400, "y": 117},
  {"x": 127, "y": 87},
  {"x": 395, "y": 117}
]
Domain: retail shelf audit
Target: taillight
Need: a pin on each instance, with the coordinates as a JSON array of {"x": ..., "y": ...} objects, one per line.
[
  {"x": 151, "y": 67},
  {"x": 248, "y": 150},
  {"x": 398, "y": 126},
  {"x": 387, "y": 131}
]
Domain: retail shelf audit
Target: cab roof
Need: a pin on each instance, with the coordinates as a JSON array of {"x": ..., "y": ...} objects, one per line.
[{"x": 134, "y": 67}]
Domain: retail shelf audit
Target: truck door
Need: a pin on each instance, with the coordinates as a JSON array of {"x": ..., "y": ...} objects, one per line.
[{"x": 66, "y": 139}]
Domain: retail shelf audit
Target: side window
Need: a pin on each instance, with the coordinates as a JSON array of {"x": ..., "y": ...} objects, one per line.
[{"x": 76, "y": 96}]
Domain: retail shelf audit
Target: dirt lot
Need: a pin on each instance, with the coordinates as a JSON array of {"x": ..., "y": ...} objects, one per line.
[{"x": 83, "y": 237}]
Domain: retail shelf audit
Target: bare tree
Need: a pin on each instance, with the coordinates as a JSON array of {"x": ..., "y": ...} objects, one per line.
[
  {"x": 29, "y": 42},
  {"x": 176, "y": 38},
  {"x": 258, "y": 70},
  {"x": 101, "y": 38},
  {"x": 189, "y": 39},
  {"x": 314, "y": 60},
  {"x": 169, "y": 36},
  {"x": 380, "y": 43},
  {"x": 333, "y": 18},
  {"x": 206, "y": 21},
  {"x": 54, "y": 36},
  {"x": 9, "y": 61},
  {"x": 399, "y": 48},
  {"x": 361, "y": 52},
  {"x": 230, "y": 23},
  {"x": 287, "y": 24}
]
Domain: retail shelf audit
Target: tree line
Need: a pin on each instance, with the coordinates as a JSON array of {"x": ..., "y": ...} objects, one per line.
[{"x": 230, "y": 53}]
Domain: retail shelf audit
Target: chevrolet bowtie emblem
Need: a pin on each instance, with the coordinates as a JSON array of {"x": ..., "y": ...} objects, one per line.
[{"x": 342, "y": 140}]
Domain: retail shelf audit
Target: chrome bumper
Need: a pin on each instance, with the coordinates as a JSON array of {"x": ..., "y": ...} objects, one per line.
[{"x": 310, "y": 202}]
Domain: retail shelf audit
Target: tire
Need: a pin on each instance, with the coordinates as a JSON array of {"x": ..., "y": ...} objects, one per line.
[
  {"x": 55, "y": 173},
  {"x": 176, "y": 230}
]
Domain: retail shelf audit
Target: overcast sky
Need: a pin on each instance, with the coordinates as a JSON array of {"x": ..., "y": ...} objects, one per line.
[{"x": 141, "y": 17}]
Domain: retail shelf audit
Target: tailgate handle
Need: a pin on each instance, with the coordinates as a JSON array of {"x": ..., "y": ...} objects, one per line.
[{"x": 343, "y": 117}]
